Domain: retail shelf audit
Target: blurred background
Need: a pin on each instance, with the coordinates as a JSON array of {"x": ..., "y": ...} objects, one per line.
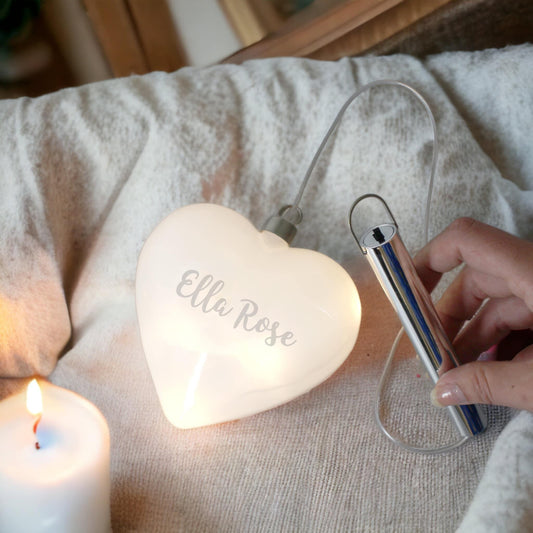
[{"x": 47, "y": 45}]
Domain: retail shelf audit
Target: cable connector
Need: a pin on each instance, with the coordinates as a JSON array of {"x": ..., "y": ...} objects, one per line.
[{"x": 284, "y": 224}]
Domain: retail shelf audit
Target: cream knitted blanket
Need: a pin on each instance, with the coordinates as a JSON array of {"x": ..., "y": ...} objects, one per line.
[{"x": 87, "y": 173}]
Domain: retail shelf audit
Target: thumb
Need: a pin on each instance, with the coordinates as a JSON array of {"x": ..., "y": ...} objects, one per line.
[{"x": 507, "y": 383}]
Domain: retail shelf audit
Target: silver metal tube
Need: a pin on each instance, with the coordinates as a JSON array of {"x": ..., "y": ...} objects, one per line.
[{"x": 397, "y": 275}]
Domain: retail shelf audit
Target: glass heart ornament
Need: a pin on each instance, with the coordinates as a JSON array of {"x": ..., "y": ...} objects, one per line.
[{"x": 234, "y": 321}]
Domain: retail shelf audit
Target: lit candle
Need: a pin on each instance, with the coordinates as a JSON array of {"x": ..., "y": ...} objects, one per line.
[{"x": 54, "y": 463}]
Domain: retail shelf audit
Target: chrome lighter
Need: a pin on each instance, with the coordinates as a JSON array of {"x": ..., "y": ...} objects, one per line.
[{"x": 383, "y": 248}]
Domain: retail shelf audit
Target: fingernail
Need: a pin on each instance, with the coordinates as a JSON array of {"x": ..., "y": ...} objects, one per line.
[
  {"x": 447, "y": 394},
  {"x": 489, "y": 355}
]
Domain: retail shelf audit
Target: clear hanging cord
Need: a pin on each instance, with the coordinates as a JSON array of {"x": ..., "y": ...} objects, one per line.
[{"x": 293, "y": 214}]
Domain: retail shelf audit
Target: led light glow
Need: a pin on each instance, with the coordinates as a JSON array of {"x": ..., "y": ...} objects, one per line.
[{"x": 233, "y": 321}]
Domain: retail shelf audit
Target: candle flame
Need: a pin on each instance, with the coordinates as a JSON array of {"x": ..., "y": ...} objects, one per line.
[{"x": 34, "y": 399}]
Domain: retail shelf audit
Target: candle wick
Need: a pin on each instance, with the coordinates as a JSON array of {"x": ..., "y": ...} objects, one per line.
[{"x": 35, "y": 424}]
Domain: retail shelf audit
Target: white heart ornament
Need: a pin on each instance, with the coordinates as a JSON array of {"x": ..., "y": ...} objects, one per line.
[{"x": 233, "y": 321}]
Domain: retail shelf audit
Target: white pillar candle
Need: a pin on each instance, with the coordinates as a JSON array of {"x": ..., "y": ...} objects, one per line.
[{"x": 61, "y": 484}]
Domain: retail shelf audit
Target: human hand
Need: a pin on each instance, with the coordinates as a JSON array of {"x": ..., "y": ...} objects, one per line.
[{"x": 498, "y": 272}]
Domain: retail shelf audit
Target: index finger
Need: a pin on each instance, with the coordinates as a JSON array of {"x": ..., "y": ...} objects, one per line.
[{"x": 484, "y": 248}]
